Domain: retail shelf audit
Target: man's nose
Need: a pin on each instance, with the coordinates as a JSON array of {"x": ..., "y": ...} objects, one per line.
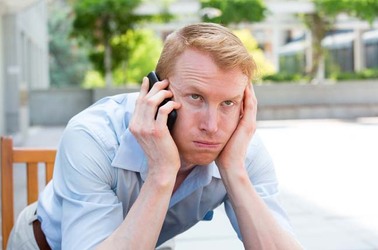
[{"x": 209, "y": 120}]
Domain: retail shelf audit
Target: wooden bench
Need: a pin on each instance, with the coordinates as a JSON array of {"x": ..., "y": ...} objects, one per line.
[{"x": 31, "y": 157}]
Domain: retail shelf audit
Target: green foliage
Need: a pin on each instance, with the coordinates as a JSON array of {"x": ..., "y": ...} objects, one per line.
[
  {"x": 93, "y": 79},
  {"x": 294, "y": 63},
  {"x": 103, "y": 23},
  {"x": 328, "y": 8},
  {"x": 99, "y": 20},
  {"x": 145, "y": 48},
  {"x": 264, "y": 67},
  {"x": 235, "y": 11},
  {"x": 120, "y": 53},
  {"x": 322, "y": 21},
  {"x": 364, "y": 74},
  {"x": 283, "y": 77},
  {"x": 363, "y": 9},
  {"x": 68, "y": 61},
  {"x": 336, "y": 75}
]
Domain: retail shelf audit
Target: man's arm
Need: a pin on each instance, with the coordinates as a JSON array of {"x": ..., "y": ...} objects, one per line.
[
  {"x": 151, "y": 206},
  {"x": 258, "y": 226},
  {"x": 148, "y": 210}
]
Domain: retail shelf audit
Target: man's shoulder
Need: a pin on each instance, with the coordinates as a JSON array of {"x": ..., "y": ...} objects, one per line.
[
  {"x": 255, "y": 144},
  {"x": 107, "y": 119},
  {"x": 257, "y": 154},
  {"x": 110, "y": 104},
  {"x": 111, "y": 108}
]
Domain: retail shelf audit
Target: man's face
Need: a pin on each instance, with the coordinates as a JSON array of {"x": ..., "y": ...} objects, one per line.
[{"x": 212, "y": 102}]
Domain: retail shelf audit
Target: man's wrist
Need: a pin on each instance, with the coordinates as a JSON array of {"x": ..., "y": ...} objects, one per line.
[{"x": 161, "y": 181}]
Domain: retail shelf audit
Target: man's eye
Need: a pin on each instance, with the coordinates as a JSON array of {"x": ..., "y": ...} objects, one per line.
[
  {"x": 228, "y": 103},
  {"x": 195, "y": 96}
]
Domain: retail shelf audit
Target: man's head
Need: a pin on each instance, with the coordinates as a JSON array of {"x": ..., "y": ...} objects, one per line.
[
  {"x": 208, "y": 69},
  {"x": 221, "y": 44}
]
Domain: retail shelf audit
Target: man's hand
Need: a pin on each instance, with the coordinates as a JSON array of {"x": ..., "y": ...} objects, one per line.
[
  {"x": 153, "y": 135},
  {"x": 234, "y": 153},
  {"x": 258, "y": 227},
  {"x": 164, "y": 162}
]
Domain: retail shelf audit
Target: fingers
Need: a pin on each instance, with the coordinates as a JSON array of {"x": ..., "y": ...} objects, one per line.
[
  {"x": 249, "y": 111},
  {"x": 147, "y": 110},
  {"x": 163, "y": 112},
  {"x": 253, "y": 99},
  {"x": 144, "y": 87},
  {"x": 248, "y": 101}
]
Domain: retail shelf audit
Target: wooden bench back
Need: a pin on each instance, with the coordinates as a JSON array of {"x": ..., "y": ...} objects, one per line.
[{"x": 31, "y": 157}]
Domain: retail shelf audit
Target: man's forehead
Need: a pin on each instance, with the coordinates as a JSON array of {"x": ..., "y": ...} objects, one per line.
[{"x": 207, "y": 89}]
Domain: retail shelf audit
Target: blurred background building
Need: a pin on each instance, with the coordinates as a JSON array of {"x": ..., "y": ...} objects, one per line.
[
  {"x": 339, "y": 156},
  {"x": 27, "y": 97},
  {"x": 23, "y": 59}
]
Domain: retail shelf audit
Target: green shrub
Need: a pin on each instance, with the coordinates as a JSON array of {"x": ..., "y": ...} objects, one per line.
[
  {"x": 285, "y": 77},
  {"x": 364, "y": 74}
]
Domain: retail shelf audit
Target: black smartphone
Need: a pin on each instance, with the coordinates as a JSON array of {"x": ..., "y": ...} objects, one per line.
[{"x": 153, "y": 78}]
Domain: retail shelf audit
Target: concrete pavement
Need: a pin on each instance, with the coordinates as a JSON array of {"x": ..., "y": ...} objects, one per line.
[{"x": 328, "y": 171}]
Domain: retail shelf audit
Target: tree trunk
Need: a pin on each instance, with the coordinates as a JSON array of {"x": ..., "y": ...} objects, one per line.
[{"x": 318, "y": 28}]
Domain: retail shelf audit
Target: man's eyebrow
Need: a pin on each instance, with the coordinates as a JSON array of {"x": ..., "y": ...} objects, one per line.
[
  {"x": 189, "y": 88},
  {"x": 201, "y": 92},
  {"x": 237, "y": 97},
  {"x": 192, "y": 88}
]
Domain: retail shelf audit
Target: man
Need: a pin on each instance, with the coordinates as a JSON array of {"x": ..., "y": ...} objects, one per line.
[{"x": 123, "y": 180}]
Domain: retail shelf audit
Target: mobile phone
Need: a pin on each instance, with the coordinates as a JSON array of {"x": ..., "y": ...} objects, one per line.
[{"x": 153, "y": 78}]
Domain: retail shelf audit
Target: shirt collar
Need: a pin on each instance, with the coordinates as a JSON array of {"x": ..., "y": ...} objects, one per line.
[{"x": 130, "y": 156}]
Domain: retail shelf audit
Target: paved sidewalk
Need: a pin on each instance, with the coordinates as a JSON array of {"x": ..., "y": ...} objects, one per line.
[{"x": 328, "y": 170}]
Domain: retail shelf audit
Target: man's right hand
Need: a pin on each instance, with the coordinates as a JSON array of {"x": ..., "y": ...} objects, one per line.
[
  {"x": 153, "y": 135},
  {"x": 164, "y": 163}
]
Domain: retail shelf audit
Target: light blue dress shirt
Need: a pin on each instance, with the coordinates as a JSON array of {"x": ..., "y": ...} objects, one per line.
[{"x": 100, "y": 169}]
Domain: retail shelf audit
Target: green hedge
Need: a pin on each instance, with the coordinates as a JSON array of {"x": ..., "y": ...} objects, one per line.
[
  {"x": 285, "y": 77},
  {"x": 364, "y": 74},
  {"x": 299, "y": 78}
]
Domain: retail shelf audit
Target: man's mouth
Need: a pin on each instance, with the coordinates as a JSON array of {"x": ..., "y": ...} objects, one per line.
[{"x": 207, "y": 144}]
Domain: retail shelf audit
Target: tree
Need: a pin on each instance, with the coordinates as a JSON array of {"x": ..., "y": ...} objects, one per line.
[
  {"x": 139, "y": 62},
  {"x": 323, "y": 19},
  {"x": 68, "y": 61},
  {"x": 264, "y": 66},
  {"x": 98, "y": 21},
  {"x": 366, "y": 10},
  {"x": 233, "y": 11},
  {"x": 318, "y": 26}
]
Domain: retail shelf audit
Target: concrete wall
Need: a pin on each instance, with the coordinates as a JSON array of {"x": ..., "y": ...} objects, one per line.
[
  {"x": 55, "y": 107},
  {"x": 343, "y": 100},
  {"x": 281, "y": 101}
]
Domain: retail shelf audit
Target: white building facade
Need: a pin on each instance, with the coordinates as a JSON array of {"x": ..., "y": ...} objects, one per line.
[{"x": 23, "y": 60}]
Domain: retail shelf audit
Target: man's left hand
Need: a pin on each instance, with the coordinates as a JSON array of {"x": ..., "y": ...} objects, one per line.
[{"x": 234, "y": 152}]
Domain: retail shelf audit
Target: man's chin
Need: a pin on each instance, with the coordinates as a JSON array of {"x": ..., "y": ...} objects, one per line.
[
  {"x": 204, "y": 163},
  {"x": 205, "y": 159},
  {"x": 198, "y": 157}
]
